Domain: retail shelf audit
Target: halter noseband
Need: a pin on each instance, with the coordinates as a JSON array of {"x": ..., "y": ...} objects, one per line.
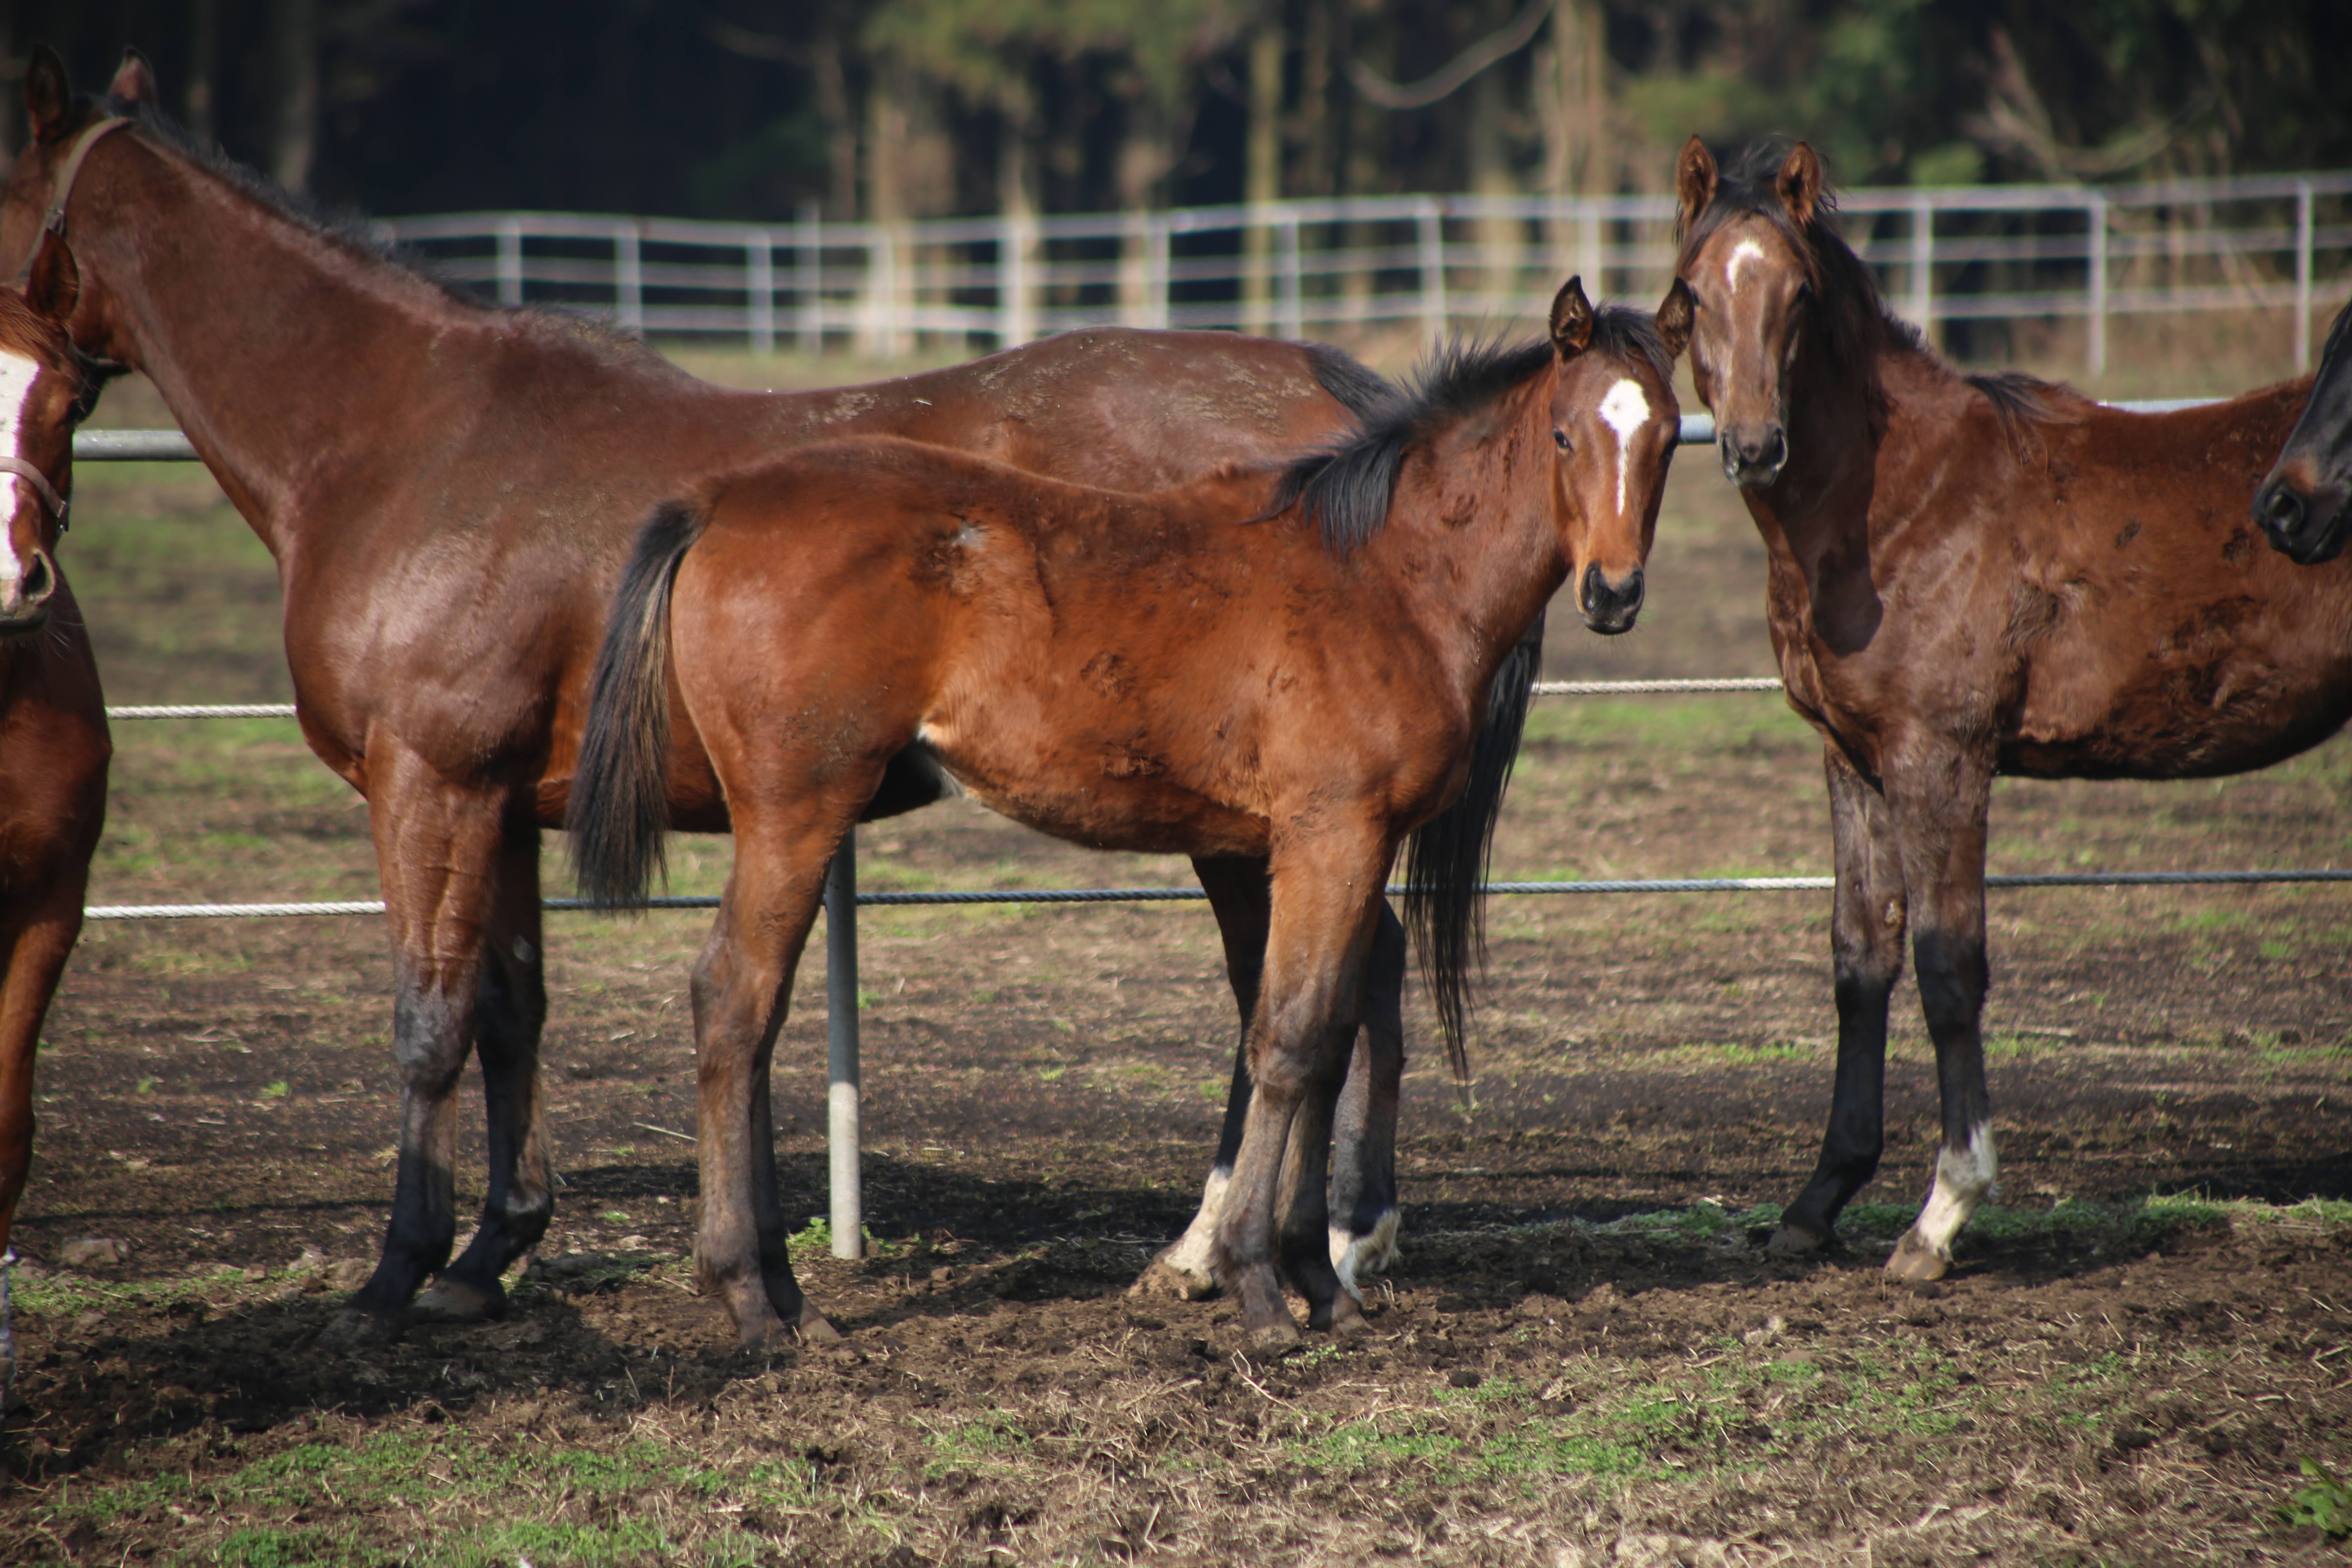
[
  {"x": 58, "y": 506},
  {"x": 53, "y": 221}
]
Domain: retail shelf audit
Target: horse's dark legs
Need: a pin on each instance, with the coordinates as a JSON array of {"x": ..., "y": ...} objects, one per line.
[
  {"x": 509, "y": 1011},
  {"x": 1866, "y": 926},
  {"x": 438, "y": 854},
  {"x": 1944, "y": 828},
  {"x": 1364, "y": 1152},
  {"x": 742, "y": 987},
  {"x": 1274, "y": 1226}
]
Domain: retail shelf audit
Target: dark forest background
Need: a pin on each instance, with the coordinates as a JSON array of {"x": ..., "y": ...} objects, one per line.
[{"x": 751, "y": 109}]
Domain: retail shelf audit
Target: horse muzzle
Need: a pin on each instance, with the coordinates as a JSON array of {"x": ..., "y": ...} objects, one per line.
[
  {"x": 25, "y": 602},
  {"x": 1754, "y": 456},
  {"x": 2308, "y": 523},
  {"x": 1610, "y": 607}
]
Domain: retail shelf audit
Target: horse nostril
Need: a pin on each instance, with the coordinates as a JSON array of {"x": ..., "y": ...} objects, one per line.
[
  {"x": 1776, "y": 448},
  {"x": 2281, "y": 510},
  {"x": 40, "y": 581},
  {"x": 1606, "y": 602}
]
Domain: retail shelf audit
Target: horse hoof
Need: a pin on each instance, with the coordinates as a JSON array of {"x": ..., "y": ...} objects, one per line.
[
  {"x": 357, "y": 1329},
  {"x": 1274, "y": 1337},
  {"x": 1164, "y": 1278},
  {"x": 447, "y": 1300},
  {"x": 1915, "y": 1261},
  {"x": 1795, "y": 1241},
  {"x": 1347, "y": 1319},
  {"x": 815, "y": 1330}
]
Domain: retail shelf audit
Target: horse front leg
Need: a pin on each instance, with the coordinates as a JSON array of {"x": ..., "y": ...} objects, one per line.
[
  {"x": 437, "y": 856},
  {"x": 1275, "y": 1227},
  {"x": 36, "y": 938},
  {"x": 1866, "y": 923},
  {"x": 1240, "y": 899},
  {"x": 1942, "y": 819},
  {"x": 1363, "y": 1147},
  {"x": 509, "y": 1012}
]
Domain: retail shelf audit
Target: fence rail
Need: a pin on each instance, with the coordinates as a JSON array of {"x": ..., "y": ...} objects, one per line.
[{"x": 1964, "y": 254}]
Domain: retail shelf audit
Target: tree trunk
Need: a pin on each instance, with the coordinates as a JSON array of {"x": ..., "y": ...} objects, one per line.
[
  {"x": 295, "y": 33},
  {"x": 885, "y": 209},
  {"x": 1262, "y": 170},
  {"x": 1499, "y": 239},
  {"x": 1575, "y": 120}
]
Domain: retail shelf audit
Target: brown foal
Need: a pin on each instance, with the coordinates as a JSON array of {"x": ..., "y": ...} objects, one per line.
[
  {"x": 53, "y": 742},
  {"x": 1283, "y": 672},
  {"x": 450, "y": 492},
  {"x": 1972, "y": 576}
]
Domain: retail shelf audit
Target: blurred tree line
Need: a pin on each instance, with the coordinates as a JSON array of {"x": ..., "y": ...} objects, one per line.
[{"x": 751, "y": 109}]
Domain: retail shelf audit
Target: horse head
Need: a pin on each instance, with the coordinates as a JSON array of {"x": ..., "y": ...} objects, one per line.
[
  {"x": 2302, "y": 506},
  {"x": 42, "y": 389},
  {"x": 67, "y": 130},
  {"x": 1615, "y": 423},
  {"x": 1751, "y": 276}
]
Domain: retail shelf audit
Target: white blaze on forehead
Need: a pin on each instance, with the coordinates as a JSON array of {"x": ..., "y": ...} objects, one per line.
[
  {"x": 17, "y": 375},
  {"x": 1746, "y": 250},
  {"x": 1624, "y": 411}
]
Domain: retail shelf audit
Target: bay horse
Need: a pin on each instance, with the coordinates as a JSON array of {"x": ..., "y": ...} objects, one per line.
[
  {"x": 450, "y": 491},
  {"x": 1971, "y": 575},
  {"x": 2300, "y": 506},
  {"x": 1281, "y": 673},
  {"x": 53, "y": 747}
]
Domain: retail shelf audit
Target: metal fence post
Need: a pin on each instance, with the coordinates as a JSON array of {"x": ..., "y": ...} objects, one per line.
[
  {"x": 509, "y": 262},
  {"x": 628, "y": 279},
  {"x": 1922, "y": 262},
  {"x": 841, "y": 1131},
  {"x": 808, "y": 279},
  {"x": 760, "y": 284},
  {"x": 1014, "y": 324},
  {"x": 1429, "y": 236},
  {"x": 2097, "y": 212},
  {"x": 2303, "y": 275},
  {"x": 1156, "y": 270}
]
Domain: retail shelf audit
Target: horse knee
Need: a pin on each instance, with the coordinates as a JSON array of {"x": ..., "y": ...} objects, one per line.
[{"x": 1953, "y": 977}]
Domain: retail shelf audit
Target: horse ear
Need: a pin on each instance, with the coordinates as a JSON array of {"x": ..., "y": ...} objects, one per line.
[
  {"x": 1695, "y": 179},
  {"x": 53, "y": 286},
  {"x": 48, "y": 94},
  {"x": 1675, "y": 316},
  {"x": 134, "y": 81},
  {"x": 1572, "y": 319},
  {"x": 1800, "y": 183}
]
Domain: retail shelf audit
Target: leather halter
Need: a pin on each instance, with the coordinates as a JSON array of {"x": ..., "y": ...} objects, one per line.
[
  {"x": 53, "y": 221},
  {"x": 58, "y": 506}
]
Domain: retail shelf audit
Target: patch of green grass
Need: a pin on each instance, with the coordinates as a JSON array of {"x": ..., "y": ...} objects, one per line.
[
  {"x": 969, "y": 1445},
  {"x": 58, "y": 1296},
  {"x": 279, "y": 1090},
  {"x": 2325, "y": 1504}
]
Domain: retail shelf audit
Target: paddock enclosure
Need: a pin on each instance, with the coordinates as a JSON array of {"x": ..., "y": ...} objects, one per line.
[{"x": 1582, "y": 1356}]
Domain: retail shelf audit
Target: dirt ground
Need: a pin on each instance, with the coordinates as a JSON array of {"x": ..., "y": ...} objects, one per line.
[{"x": 1583, "y": 1357}]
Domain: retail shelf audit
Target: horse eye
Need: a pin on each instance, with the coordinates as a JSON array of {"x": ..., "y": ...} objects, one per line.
[{"x": 1559, "y": 439}]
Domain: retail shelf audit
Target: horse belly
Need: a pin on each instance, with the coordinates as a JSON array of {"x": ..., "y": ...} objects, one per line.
[{"x": 1103, "y": 800}]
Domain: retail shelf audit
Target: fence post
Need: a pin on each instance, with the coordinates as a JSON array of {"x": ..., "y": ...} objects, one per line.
[
  {"x": 1429, "y": 234},
  {"x": 1923, "y": 263},
  {"x": 509, "y": 262},
  {"x": 759, "y": 283},
  {"x": 882, "y": 334},
  {"x": 808, "y": 278},
  {"x": 1156, "y": 270},
  {"x": 841, "y": 1131},
  {"x": 1293, "y": 314},
  {"x": 628, "y": 279},
  {"x": 1014, "y": 324},
  {"x": 2303, "y": 275},
  {"x": 2097, "y": 212}
]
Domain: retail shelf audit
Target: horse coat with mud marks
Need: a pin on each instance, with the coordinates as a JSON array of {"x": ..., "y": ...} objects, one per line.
[
  {"x": 1288, "y": 685},
  {"x": 2305, "y": 504},
  {"x": 53, "y": 742},
  {"x": 450, "y": 491},
  {"x": 1972, "y": 576}
]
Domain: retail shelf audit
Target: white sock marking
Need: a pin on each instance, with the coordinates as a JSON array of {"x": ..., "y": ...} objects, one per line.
[
  {"x": 1624, "y": 411},
  {"x": 17, "y": 375},
  {"x": 1191, "y": 1255},
  {"x": 1964, "y": 1179},
  {"x": 1353, "y": 1256}
]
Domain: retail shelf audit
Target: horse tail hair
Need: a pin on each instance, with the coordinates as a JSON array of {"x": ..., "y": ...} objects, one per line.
[
  {"x": 619, "y": 811},
  {"x": 1447, "y": 856}
]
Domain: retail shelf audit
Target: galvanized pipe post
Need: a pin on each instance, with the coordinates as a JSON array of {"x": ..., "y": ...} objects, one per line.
[{"x": 841, "y": 1131}]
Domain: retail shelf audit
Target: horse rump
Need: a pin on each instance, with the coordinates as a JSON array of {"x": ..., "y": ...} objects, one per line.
[{"x": 619, "y": 811}]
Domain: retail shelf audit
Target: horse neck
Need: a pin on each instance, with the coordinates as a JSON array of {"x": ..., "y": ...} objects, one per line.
[
  {"x": 256, "y": 329},
  {"x": 1837, "y": 415},
  {"x": 1470, "y": 537}
]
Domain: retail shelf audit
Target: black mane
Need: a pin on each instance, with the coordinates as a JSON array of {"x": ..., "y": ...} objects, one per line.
[{"x": 1346, "y": 488}]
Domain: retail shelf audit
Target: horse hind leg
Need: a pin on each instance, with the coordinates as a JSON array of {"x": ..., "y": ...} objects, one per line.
[{"x": 1363, "y": 1238}]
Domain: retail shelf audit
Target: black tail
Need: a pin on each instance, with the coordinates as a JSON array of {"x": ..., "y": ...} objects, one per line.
[
  {"x": 619, "y": 812},
  {"x": 1446, "y": 859}
]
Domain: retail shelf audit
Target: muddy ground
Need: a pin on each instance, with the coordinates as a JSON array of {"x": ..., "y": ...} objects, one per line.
[{"x": 1583, "y": 1357}]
